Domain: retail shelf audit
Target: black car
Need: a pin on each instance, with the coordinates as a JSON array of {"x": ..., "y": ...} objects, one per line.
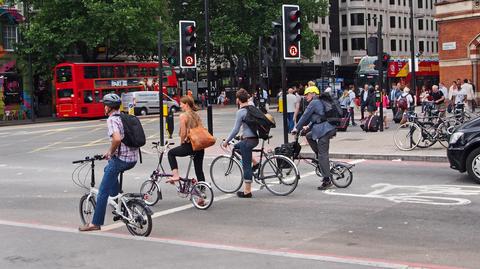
[{"x": 464, "y": 149}]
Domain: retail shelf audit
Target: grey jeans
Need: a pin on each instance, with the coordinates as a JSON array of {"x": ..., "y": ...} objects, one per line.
[{"x": 321, "y": 147}]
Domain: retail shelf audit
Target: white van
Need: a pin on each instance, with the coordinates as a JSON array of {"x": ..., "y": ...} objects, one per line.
[{"x": 145, "y": 102}]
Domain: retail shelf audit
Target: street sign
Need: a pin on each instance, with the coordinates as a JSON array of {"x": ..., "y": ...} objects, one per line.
[
  {"x": 189, "y": 60},
  {"x": 293, "y": 50}
]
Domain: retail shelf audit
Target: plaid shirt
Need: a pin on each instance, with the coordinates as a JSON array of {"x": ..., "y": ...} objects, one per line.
[{"x": 126, "y": 154}]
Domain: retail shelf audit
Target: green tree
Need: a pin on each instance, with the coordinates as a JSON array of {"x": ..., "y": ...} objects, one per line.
[
  {"x": 57, "y": 28},
  {"x": 236, "y": 25}
]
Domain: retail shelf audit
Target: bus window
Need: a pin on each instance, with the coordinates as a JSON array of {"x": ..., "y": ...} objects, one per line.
[
  {"x": 97, "y": 96},
  {"x": 133, "y": 71},
  {"x": 65, "y": 93},
  {"x": 106, "y": 71},
  {"x": 152, "y": 71},
  {"x": 90, "y": 72},
  {"x": 120, "y": 71},
  {"x": 144, "y": 72},
  {"x": 87, "y": 96},
  {"x": 64, "y": 74},
  {"x": 122, "y": 91},
  {"x": 107, "y": 91}
]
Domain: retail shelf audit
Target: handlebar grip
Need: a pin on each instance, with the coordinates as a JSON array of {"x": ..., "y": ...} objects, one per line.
[
  {"x": 98, "y": 157},
  {"x": 80, "y": 161}
]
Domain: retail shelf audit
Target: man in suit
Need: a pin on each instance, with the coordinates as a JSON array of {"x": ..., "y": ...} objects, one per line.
[
  {"x": 363, "y": 100},
  {"x": 320, "y": 131}
]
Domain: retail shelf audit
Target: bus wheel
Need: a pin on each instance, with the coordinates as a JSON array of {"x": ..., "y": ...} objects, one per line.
[{"x": 143, "y": 111}]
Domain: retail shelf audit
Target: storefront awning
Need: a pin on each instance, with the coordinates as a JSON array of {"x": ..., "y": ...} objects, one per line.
[{"x": 13, "y": 15}]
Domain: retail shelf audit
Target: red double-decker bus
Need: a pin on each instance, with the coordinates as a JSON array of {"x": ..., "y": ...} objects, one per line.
[{"x": 80, "y": 87}]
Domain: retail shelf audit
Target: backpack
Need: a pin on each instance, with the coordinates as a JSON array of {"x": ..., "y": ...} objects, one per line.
[
  {"x": 134, "y": 136},
  {"x": 333, "y": 111},
  {"x": 402, "y": 103},
  {"x": 370, "y": 124},
  {"x": 258, "y": 122}
]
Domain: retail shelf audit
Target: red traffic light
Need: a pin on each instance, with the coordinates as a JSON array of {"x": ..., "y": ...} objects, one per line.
[
  {"x": 386, "y": 57},
  {"x": 294, "y": 15},
  {"x": 190, "y": 29}
]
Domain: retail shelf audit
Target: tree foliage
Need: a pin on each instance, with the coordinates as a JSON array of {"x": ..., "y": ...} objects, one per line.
[{"x": 61, "y": 27}]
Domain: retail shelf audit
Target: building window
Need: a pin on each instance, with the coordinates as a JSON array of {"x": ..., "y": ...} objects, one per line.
[
  {"x": 406, "y": 46},
  {"x": 431, "y": 25},
  {"x": 358, "y": 43},
  {"x": 420, "y": 4},
  {"x": 400, "y": 45},
  {"x": 344, "y": 20},
  {"x": 344, "y": 44},
  {"x": 316, "y": 20},
  {"x": 392, "y": 22},
  {"x": 357, "y": 19},
  {"x": 420, "y": 24},
  {"x": 381, "y": 18},
  {"x": 399, "y": 22},
  {"x": 404, "y": 2},
  {"x": 316, "y": 47},
  {"x": 393, "y": 45},
  {"x": 399, "y": 2},
  {"x": 392, "y": 2},
  {"x": 323, "y": 20},
  {"x": 324, "y": 43},
  {"x": 421, "y": 46},
  {"x": 9, "y": 36},
  {"x": 369, "y": 19},
  {"x": 405, "y": 22},
  {"x": 428, "y": 46},
  {"x": 433, "y": 49}
]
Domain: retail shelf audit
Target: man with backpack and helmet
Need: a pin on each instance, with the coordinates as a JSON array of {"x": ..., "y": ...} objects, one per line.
[
  {"x": 320, "y": 130},
  {"x": 120, "y": 158}
]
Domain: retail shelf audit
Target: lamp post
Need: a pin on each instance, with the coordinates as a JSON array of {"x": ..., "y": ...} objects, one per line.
[
  {"x": 412, "y": 48},
  {"x": 207, "y": 52}
]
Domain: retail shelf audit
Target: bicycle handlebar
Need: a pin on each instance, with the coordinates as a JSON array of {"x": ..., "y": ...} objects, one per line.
[{"x": 90, "y": 159}]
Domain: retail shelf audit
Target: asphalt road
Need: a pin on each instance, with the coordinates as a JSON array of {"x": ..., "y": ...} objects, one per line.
[{"x": 394, "y": 215}]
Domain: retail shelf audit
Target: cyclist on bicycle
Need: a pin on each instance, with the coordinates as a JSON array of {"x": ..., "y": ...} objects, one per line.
[
  {"x": 120, "y": 158},
  {"x": 319, "y": 130},
  {"x": 249, "y": 141}
]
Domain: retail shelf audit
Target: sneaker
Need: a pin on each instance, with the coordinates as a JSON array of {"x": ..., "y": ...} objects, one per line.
[
  {"x": 241, "y": 194},
  {"x": 325, "y": 185}
]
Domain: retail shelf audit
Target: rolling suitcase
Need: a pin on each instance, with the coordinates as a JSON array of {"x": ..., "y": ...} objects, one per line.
[{"x": 342, "y": 127}]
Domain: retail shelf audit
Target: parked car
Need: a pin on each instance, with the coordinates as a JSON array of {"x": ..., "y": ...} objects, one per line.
[
  {"x": 464, "y": 149},
  {"x": 145, "y": 102}
]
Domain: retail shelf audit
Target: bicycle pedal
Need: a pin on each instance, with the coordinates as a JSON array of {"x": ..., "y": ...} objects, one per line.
[{"x": 117, "y": 218}]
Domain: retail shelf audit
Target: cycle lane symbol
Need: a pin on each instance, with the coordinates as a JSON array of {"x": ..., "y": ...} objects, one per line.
[{"x": 422, "y": 194}]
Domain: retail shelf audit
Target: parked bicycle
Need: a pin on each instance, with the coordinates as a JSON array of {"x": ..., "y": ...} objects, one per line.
[
  {"x": 127, "y": 207},
  {"x": 277, "y": 173},
  {"x": 342, "y": 175},
  {"x": 200, "y": 193}
]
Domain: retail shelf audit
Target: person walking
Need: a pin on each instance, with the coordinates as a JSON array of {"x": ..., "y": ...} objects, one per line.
[
  {"x": 467, "y": 87},
  {"x": 120, "y": 159},
  {"x": 363, "y": 101},
  {"x": 249, "y": 141},
  {"x": 395, "y": 92},
  {"x": 189, "y": 119},
  {"x": 320, "y": 131},
  {"x": 291, "y": 100},
  {"x": 345, "y": 102},
  {"x": 351, "y": 95}
]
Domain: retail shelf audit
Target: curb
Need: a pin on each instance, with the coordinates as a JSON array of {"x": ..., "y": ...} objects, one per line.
[
  {"x": 27, "y": 122},
  {"x": 385, "y": 157}
]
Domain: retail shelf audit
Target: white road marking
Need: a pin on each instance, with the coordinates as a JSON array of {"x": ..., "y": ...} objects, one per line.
[{"x": 275, "y": 253}]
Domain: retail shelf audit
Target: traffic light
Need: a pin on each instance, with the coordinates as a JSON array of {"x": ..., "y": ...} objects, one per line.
[
  {"x": 172, "y": 56},
  {"x": 291, "y": 32},
  {"x": 372, "y": 46},
  {"x": 383, "y": 62},
  {"x": 272, "y": 48},
  {"x": 331, "y": 68},
  {"x": 188, "y": 47}
]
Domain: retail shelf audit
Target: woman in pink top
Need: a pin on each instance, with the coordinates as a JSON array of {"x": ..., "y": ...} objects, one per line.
[{"x": 386, "y": 103}]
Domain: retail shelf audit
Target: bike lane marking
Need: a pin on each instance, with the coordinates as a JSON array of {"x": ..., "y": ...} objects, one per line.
[{"x": 321, "y": 257}]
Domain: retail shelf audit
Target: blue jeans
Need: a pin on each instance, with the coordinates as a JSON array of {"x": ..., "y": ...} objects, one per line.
[
  {"x": 246, "y": 146},
  {"x": 109, "y": 187},
  {"x": 290, "y": 121}
]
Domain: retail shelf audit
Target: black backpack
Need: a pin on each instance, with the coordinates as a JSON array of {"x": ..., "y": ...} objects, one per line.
[
  {"x": 134, "y": 136},
  {"x": 333, "y": 111},
  {"x": 257, "y": 122}
]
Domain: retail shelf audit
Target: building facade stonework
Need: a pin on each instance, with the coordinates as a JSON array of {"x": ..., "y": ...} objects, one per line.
[{"x": 459, "y": 40}]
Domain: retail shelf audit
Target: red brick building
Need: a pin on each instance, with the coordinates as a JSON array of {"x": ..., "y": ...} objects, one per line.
[{"x": 459, "y": 40}]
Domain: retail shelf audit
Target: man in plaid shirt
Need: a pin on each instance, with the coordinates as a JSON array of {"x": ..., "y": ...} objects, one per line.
[{"x": 120, "y": 158}]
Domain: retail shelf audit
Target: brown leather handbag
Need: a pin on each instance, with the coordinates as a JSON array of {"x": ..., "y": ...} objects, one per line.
[{"x": 200, "y": 138}]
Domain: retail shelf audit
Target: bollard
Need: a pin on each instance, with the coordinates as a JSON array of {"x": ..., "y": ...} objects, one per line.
[
  {"x": 131, "y": 110},
  {"x": 169, "y": 123},
  {"x": 165, "y": 110},
  {"x": 280, "y": 105}
]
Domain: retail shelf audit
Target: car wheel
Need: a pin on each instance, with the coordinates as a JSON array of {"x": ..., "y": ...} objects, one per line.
[
  {"x": 143, "y": 112},
  {"x": 473, "y": 165}
]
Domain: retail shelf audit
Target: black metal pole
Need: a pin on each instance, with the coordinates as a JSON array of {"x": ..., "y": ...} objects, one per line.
[
  {"x": 160, "y": 86},
  {"x": 26, "y": 7},
  {"x": 380, "y": 70},
  {"x": 284, "y": 91},
  {"x": 412, "y": 50},
  {"x": 207, "y": 50}
]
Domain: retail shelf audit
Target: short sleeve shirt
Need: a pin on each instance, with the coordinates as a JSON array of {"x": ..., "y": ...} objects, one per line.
[{"x": 126, "y": 154}]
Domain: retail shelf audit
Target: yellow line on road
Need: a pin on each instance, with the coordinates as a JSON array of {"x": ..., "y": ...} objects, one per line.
[{"x": 45, "y": 147}]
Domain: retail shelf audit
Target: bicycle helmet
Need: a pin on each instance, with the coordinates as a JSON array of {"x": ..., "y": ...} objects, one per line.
[
  {"x": 312, "y": 89},
  {"x": 112, "y": 100}
]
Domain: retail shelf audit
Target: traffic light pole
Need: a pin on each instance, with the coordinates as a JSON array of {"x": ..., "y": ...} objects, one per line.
[
  {"x": 380, "y": 70},
  {"x": 160, "y": 86},
  {"x": 284, "y": 95},
  {"x": 207, "y": 50}
]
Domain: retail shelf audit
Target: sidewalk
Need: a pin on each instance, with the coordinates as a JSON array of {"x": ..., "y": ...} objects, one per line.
[{"x": 28, "y": 121}]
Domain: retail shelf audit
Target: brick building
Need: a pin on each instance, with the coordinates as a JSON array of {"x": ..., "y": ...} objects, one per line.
[{"x": 459, "y": 40}]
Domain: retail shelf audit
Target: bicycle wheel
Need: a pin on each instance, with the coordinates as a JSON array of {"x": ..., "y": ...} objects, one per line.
[
  {"x": 201, "y": 195},
  {"x": 407, "y": 136},
  {"x": 87, "y": 208},
  {"x": 443, "y": 134},
  {"x": 140, "y": 221},
  {"x": 279, "y": 174},
  {"x": 151, "y": 192},
  {"x": 226, "y": 174},
  {"x": 428, "y": 132},
  {"x": 342, "y": 176}
]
